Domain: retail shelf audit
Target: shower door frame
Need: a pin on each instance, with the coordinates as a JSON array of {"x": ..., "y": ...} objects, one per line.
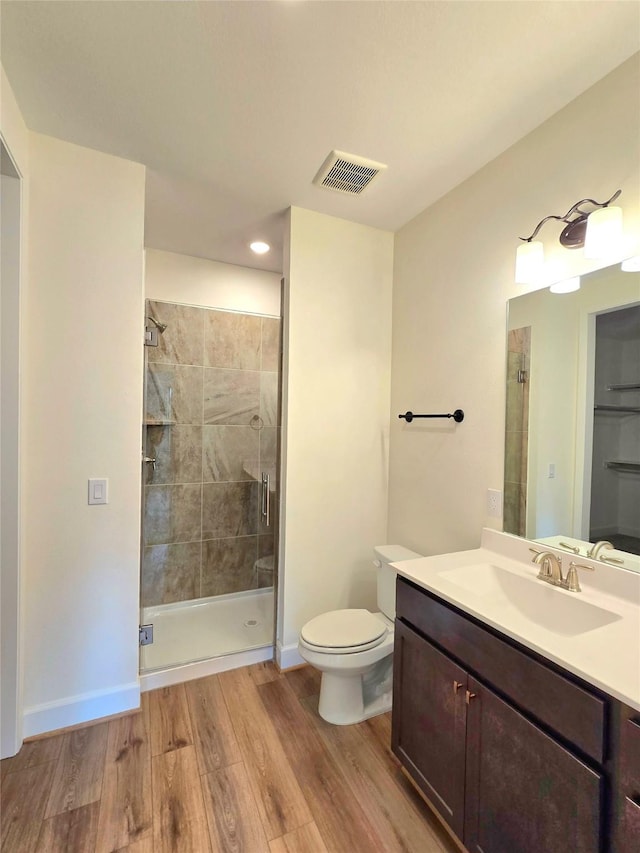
[{"x": 274, "y": 495}]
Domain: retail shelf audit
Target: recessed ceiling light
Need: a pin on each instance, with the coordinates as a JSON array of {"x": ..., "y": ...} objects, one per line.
[{"x": 259, "y": 247}]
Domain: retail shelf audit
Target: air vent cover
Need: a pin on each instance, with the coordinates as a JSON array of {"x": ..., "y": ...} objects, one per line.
[{"x": 347, "y": 173}]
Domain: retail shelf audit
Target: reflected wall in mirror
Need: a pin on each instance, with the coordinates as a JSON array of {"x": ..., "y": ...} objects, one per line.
[{"x": 572, "y": 442}]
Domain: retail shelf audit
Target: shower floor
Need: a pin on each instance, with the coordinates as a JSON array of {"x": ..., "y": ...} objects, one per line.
[{"x": 209, "y": 627}]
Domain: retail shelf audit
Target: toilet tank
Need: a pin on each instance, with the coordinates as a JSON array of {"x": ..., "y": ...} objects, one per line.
[{"x": 386, "y": 575}]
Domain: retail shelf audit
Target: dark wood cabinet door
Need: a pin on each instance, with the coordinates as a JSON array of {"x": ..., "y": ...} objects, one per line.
[
  {"x": 525, "y": 793},
  {"x": 628, "y": 794},
  {"x": 429, "y": 722}
]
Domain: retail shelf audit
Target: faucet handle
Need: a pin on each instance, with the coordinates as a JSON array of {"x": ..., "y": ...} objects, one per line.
[
  {"x": 572, "y": 583},
  {"x": 573, "y": 548}
]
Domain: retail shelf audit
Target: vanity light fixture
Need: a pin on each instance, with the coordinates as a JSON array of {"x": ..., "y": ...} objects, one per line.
[
  {"x": 631, "y": 264},
  {"x": 599, "y": 230},
  {"x": 566, "y": 286},
  {"x": 259, "y": 247}
]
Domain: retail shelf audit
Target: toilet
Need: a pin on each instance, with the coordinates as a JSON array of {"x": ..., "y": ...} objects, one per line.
[{"x": 353, "y": 649}]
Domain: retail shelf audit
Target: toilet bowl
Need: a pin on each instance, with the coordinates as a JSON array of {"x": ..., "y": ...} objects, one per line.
[{"x": 353, "y": 649}]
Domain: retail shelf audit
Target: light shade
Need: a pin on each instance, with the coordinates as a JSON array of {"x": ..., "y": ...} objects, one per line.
[
  {"x": 604, "y": 233},
  {"x": 566, "y": 286},
  {"x": 529, "y": 262},
  {"x": 631, "y": 264}
]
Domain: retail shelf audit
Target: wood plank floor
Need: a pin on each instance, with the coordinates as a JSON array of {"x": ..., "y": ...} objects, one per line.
[{"x": 238, "y": 763}]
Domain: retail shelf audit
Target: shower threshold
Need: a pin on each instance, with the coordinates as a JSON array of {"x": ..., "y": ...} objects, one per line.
[{"x": 188, "y": 631}]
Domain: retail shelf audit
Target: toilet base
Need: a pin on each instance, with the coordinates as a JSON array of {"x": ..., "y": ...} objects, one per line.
[{"x": 346, "y": 698}]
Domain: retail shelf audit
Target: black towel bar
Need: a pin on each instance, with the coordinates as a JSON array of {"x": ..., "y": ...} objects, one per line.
[{"x": 458, "y": 416}]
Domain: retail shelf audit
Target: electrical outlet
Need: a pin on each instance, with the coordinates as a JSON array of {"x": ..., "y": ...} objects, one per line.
[{"x": 494, "y": 503}]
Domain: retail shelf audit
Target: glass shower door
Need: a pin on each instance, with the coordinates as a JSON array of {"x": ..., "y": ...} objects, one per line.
[{"x": 211, "y": 433}]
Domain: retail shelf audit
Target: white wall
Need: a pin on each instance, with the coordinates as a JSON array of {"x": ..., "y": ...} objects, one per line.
[
  {"x": 453, "y": 273},
  {"x": 337, "y": 327},
  {"x": 170, "y": 277},
  {"x": 14, "y": 136},
  {"x": 82, "y": 418}
]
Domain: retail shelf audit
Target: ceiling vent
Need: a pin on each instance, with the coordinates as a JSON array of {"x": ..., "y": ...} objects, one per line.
[{"x": 347, "y": 173}]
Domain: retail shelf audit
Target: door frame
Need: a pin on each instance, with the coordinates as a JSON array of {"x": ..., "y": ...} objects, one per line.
[{"x": 11, "y": 341}]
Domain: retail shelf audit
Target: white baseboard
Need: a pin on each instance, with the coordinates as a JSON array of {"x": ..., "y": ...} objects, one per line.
[
  {"x": 288, "y": 656},
  {"x": 202, "y": 668},
  {"x": 72, "y": 710},
  {"x": 599, "y": 533}
]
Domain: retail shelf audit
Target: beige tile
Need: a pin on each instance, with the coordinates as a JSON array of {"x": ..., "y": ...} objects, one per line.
[
  {"x": 230, "y": 453},
  {"x": 513, "y": 457},
  {"x": 518, "y": 340},
  {"x": 514, "y": 511},
  {"x": 228, "y": 565},
  {"x": 229, "y": 509},
  {"x": 269, "y": 437},
  {"x": 515, "y": 362},
  {"x": 231, "y": 396},
  {"x": 172, "y": 514},
  {"x": 177, "y": 450},
  {"x": 270, "y": 344},
  {"x": 174, "y": 394},
  {"x": 515, "y": 406},
  {"x": 171, "y": 573},
  {"x": 269, "y": 398},
  {"x": 265, "y": 566},
  {"x": 232, "y": 340},
  {"x": 182, "y": 342}
]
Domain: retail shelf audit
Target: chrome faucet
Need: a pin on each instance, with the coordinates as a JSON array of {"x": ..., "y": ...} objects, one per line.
[
  {"x": 550, "y": 566},
  {"x": 594, "y": 552}
]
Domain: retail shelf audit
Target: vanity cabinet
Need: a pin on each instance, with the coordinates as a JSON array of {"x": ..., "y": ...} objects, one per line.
[
  {"x": 513, "y": 753},
  {"x": 627, "y": 800}
]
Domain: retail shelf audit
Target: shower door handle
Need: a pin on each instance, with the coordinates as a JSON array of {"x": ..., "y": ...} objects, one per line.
[{"x": 266, "y": 499}]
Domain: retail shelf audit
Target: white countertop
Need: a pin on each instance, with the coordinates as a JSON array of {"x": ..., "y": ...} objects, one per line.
[{"x": 606, "y": 656}]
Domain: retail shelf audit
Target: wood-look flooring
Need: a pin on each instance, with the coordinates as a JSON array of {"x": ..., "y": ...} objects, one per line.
[{"x": 238, "y": 761}]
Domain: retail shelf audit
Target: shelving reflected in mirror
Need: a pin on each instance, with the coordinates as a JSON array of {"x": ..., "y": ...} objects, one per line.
[{"x": 572, "y": 440}]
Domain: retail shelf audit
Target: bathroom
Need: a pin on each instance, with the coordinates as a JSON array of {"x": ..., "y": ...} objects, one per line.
[{"x": 432, "y": 338}]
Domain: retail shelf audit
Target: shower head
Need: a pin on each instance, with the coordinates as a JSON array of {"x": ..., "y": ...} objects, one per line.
[{"x": 159, "y": 326}]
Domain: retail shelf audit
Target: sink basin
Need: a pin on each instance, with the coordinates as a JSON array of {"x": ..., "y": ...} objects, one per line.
[{"x": 535, "y": 600}]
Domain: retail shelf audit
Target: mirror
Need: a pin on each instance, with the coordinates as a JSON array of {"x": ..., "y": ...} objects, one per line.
[{"x": 572, "y": 442}]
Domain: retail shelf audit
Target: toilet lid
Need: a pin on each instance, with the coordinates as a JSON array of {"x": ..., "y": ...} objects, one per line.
[{"x": 341, "y": 629}]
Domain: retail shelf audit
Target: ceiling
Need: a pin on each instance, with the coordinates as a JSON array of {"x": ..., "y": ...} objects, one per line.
[{"x": 233, "y": 106}]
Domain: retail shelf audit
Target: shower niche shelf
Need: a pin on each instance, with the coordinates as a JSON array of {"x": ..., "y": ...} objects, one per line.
[{"x": 151, "y": 423}]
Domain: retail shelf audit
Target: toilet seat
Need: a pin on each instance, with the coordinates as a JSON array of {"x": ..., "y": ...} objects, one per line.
[{"x": 343, "y": 631}]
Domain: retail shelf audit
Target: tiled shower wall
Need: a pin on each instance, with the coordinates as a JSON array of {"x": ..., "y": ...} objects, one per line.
[
  {"x": 211, "y": 421},
  {"x": 517, "y": 431}
]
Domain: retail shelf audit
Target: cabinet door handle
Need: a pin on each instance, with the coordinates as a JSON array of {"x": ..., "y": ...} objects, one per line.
[
  {"x": 456, "y": 686},
  {"x": 469, "y": 696}
]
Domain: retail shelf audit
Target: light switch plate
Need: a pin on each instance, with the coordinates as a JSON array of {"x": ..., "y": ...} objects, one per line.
[{"x": 98, "y": 491}]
